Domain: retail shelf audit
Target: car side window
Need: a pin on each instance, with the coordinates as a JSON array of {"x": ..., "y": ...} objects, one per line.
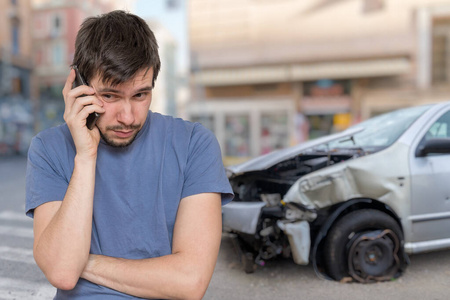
[{"x": 440, "y": 128}]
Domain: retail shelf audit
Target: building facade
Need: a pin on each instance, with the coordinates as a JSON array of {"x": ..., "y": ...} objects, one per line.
[
  {"x": 164, "y": 98},
  {"x": 55, "y": 26},
  {"x": 16, "y": 107},
  {"x": 269, "y": 74}
]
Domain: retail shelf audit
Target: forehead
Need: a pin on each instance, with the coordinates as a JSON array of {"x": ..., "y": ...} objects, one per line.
[{"x": 141, "y": 78}]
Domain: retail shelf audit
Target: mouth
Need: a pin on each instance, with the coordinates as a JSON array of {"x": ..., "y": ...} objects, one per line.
[{"x": 123, "y": 134}]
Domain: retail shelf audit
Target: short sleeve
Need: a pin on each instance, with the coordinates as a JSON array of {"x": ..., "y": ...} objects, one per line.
[
  {"x": 44, "y": 182},
  {"x": 204, "y": 171}
]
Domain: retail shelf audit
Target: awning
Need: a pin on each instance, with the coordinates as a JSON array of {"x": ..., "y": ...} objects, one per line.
[{"x": 303, "y": 72}]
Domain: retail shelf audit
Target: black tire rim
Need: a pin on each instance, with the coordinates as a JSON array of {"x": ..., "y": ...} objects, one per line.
[{"x": 373, "y": 255}]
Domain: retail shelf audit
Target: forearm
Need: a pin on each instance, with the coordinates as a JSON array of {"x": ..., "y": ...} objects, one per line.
[
  {"x": 62, "y": 248},
  {"x": 184, "y": 274},
  {"x": 174, "y": 276}
]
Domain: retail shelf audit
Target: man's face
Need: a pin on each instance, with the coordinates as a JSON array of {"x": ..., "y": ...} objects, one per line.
[{"x": 126, "y": 107}]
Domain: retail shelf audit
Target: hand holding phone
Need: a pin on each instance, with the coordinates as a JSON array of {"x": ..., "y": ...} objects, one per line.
[{"x": 79, "y": 80}]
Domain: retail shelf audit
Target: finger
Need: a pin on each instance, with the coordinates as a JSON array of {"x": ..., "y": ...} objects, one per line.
[
  {"x": 92, "y": 99},
  {"x": 78, "y": 93},
  {"x": 69, "y": 81},
  {"x": 83, "y": 101},
  {"x": 75, "y": 105},
  {"x": 89, "y": 109},
  {"x": 79, "y": 117}
]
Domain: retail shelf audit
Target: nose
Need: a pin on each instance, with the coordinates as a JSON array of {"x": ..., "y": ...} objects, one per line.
[{"x": 126, "y": 114}]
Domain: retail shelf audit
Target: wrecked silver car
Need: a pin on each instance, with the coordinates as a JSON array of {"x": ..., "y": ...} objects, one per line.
[{"x": 353, "y": 204}]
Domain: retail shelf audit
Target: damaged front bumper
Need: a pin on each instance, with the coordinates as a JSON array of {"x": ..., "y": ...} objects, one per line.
[
  {"x": 267, "y": 223},
  {"x": 242, "y": 216},
  {"x": 299, "y": 237}
]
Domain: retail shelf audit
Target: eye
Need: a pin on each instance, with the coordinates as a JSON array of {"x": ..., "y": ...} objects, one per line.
[
  {"x": 109, "y": 97},
  {"x": 140, "y": 96}
]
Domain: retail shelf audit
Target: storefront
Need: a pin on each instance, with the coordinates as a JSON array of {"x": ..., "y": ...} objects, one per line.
[
  {"x": 327, "y": 106},
  {"x": 246, "y": 128}
]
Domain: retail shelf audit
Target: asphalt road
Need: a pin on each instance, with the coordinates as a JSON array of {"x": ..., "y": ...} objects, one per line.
[
  {"x": 427, "y": 277},
  {"x": 20, "y": 278}
]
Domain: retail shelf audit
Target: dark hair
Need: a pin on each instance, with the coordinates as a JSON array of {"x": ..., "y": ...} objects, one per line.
[{"x": 115, "y": 46}]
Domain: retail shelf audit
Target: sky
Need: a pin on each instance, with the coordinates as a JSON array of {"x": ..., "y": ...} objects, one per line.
[{"x": 173, "y": 19}]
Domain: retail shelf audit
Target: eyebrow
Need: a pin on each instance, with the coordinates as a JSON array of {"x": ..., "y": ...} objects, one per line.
[{"x": 112, "y": 90}]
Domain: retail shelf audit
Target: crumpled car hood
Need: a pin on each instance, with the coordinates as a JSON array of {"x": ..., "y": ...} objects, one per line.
[
  {"x": 373, "y": 176},
  {"x": 266, "y": 161}
]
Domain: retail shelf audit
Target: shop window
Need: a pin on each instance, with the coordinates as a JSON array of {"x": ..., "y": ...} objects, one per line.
[
  {"x": 327, "y": 103},
  {"x": 58, "y": 54},
  {"x": 440, "y": 51},
  {"x": 56, "y": 26},
  {"x": 205, "y": 120},
  {"x": 15, "y": 38},
  {"x": 237, "y": 135},
  {"x": 274, "y": 132},
  {"x": 320, "y": 125},
  {"x": 57, "y": 22}
]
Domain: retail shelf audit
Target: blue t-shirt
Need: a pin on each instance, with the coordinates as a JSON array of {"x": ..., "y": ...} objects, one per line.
[{"x": 137, "y": 188}]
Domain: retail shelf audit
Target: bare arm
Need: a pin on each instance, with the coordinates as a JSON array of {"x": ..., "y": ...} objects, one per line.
[
  {"x": 62, "y": 230},
  {"x": 186, "y": 273}
]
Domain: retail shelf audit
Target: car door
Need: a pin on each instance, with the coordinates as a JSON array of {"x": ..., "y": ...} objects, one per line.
[{"x": 430, "y": 190}]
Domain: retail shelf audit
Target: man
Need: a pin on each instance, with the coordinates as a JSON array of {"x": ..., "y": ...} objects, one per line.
[{"x": 141, "y": 193}]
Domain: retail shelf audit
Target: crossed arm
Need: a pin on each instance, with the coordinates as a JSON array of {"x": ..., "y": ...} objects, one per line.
[
  {"x": 185, "y": 274},
  {"x": 63, "y": 234}
]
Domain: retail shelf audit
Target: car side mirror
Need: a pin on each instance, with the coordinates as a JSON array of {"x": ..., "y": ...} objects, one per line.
[{"x": 433, "y": 146}]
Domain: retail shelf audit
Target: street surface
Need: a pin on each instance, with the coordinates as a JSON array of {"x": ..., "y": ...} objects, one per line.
[
  {"x": 20, "y": 278},
  {"x": 427, "y": 277}
]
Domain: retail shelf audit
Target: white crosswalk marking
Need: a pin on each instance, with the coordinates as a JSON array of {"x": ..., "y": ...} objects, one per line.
[
  {"x": 17, "y": 254},
  {"x": 16, "y": 231},
  {"x": 20, "y": 277},
  {"x": 21, "y": 289},
  {"x": 10, "y": 215}
]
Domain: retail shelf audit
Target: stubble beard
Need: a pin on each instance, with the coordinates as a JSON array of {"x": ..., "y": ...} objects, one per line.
[{"x": 115, "y": 144}]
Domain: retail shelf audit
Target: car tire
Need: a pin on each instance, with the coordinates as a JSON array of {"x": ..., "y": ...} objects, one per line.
[{"x": 364, "y": 246}]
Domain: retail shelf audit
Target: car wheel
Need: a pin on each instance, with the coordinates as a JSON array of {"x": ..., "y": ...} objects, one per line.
[{"x": 364, "y": 245}]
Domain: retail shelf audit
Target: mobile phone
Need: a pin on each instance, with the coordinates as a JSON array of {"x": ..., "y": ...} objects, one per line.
[{"x": 79, "y": 80}]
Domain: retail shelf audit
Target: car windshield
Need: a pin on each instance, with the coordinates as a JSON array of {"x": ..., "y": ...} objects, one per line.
[{"x": 381, "y": 131}]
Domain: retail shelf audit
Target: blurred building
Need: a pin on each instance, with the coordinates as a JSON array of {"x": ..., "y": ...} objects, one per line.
[
  {"x": 164, "y": 95},
  {"x": 55, "y": 26},
  {"x": 168, "y": 20},
  {"x": 266, "y": 74},
  {"x": 16, "y": 118}
]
